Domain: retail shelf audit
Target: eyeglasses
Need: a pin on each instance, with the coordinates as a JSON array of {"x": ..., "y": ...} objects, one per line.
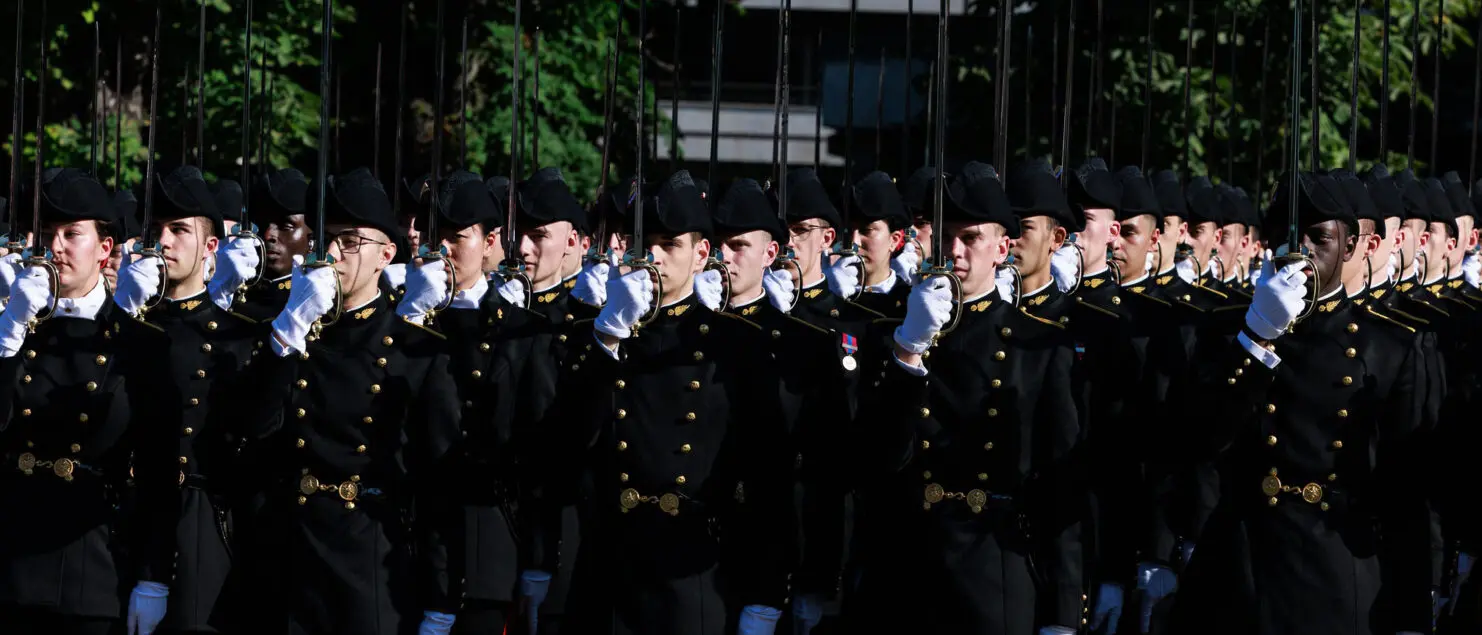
[
  {"x": 350, "y": 242},
  {"x": 799, "y": 231}
]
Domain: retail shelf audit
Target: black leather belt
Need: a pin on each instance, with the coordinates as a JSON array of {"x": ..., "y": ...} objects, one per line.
[
  {"x": 63, "y": 468},
  {"x": 348, "y": 491}
]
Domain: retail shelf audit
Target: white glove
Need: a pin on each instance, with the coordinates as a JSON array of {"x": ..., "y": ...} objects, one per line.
[
  {"x": 1003, "y": 280},
  {"x": 395, "y": 275},
  {"x": 779, "y": 286},
  {"x": 807, "y": 612},
  {"x": 147, "y": 605},
  {"x": 534, "y": 585},
  {"x": 236, "y": 264},
  {"x": 758, "y": 620},
  {"x": 511, "y": 290},
  {"x": 1185, "y": 270},
  {"x": 311, "y": 295},
  {"x": 1147, "y": 263},
  {"x": 434, "y": 623},
  {"x": 137, "y": 283},
  {"x": 927, "y": 311},
  {"x": 10, "y": 269},
  {"x": 1056, "y": 630},
  {"x": 907, "y": 265},
  {"x": 1107, "y": 611},
  {"x": 426, "y": 289},
  {"x": 843, "y": 277},
  {"x": 28, "y": 296},
  {"x": 628, "y": 298},
  {"x": 591, "y": 283},
  {"x": 1277, "y": 300},
  {"x": 1394, "y": 264},
  {"x": 1064, "y": 265},
  {"x": 1155, "y": 582},
  {"x": 1471, "y": 269},
  {"x": 709, "y": 287}
]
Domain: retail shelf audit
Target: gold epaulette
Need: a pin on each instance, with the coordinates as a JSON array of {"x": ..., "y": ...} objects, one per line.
[
  {"x": 584, "y": 321},
  {"x": 1040, "y": 319},
  {"x": 241, "y": 317},
  {"x": 1461, "y": 301},
  {"x": 1209, "y": 290},
  {"x": 740, "y": 319},
  {"x": 1231, "y": 307},
  {"x": 1092, "y": 305},
  {"x": 864, "y": 308},
  {"x": 425, "y": 329},
  {"x": 808, "y": 324},
  {"x": 1386, "y": 318},
  {"x": 1432, "y": 307},
  {"x": 1417, "y": 319},
  {"x": 1146, "y": 296},
  {"x": 1193, "y": 306}
]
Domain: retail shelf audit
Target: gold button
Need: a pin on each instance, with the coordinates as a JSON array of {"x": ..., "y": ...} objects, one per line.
[
  {"x": 982, "y": 476},
  {"x": 82, "y": 417},
  {"x": 1271, "y": 440},
  {"x": 468, "y": 404},
  {"x": 354, "y": 478},
  {"x": 685, "y": 449},
  {"x": 689, "y": 416},
  {"x": 925, "y": 445},
  {"x": 360, "y": 449},
  {"x": 26, "y": 379},
  {"x": 302, "y": 413},
  {"x": 988, "y": 445},
  {"x": 1323, "y": 506},
  {"x": 699, "y": 356},
  {"x": 387, "y": 340},
  {"x": 210, "y": 326},
  {"x": 622, "y": 414},
  {"x": 623, "y": 477},
  {"x": 206, "y": 348},
  {"x": 561, "y": 337},
  {"x": 997, "y": 383},
  {"x": 622, "y": 445},
  {"x": 194, "y": 401},
  {"x": 679, "y": 480},
  {"x": 1230, "y": 381},
  {"x": 101, "y": 359},
  {"x": 694, "y": 385},
  {"x": 302, "y": 383},
  {"x": 184, "y": 460},
  {"x": 75, "y": 448},
  {"x": 26, "y": 412},
  {"x": 30, "y": 444},
  {"x": 301, "y": 355},
  {"x": 30, "y": 354},
  {"x": 998, "y": 357},
  {"x": 1271, "y": 501},
  {"x": 381, "y": 361},
  {"x": 350, "y": 505},
  {"x": 376, "y": 388},
  {"x": 91, "y": 386},
  {"x": 1351, "y": 353},
  {"x": 925, "y": 412},
  {"x": 477, "y": 374},
  {"x": 1343, "y": 414},
  {"x": 1337, "y": 444},
  {"x": 926, "y": 474},
  {"x": 302, "y": 443},
  {"x": 367, "y": 420},
  {"x": 1347, "y": 381},
  {"x": 1352, "y": 328},
  {"x": 993, "y": 412},
  {"x": 483, "y": 347},
  {"x": 1006, "y": 331},
  {"x": 1239, "y": 372},
  {"x": 704, "y": 329},
  {"x": 303, "y": 499},
  {"x": 1270, "y": 408},
  {"x": 189, "y": 431},
  {"x": 201, "y": 373},
  {"x": 1332, "y": 477},
  {"x": 1245, "y": 362},
  {"x": 621, "y": 384}
]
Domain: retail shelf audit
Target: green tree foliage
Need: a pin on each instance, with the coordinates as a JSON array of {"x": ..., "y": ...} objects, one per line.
[{"x": 575, "y": 38}]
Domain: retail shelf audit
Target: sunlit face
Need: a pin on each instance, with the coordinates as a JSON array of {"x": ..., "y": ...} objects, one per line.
[
  {"x": 1412, "y": 237},
  {"x": 877, "y": 243},
  {"x": 1439, "y": 244},
  {"x": 810, "y": 239},
  {"x": 977, "y": 251},
  {"x": 284, "y": 238},
  {"x": 747, "y": 257},
  {"x": 544, "y": 249},
  {"x": 360, "y": 253},
  {"x": 229, "y": 227},
  {"x": 1101, "y": 227},
  {"x": 1466, "y": 240},
  {"x": 187, "y": 243},
  {"x": 468, "y": 248},
  {"x": 678, "y": 258},
  {"x": 79, "y": 252},
  {"x": 409, "y": 223},
  {"x": 1329, "y": 245},
  {"x": 1367, "y": 242},
  {"x": 1233, "y": 242},
  {"x": 1039, "y": 237},
  {"x": 923, "y": 236},
  {"x": 1388, "y": 244},
  {"x": 1175, "y": 232},
  {"x": 1204, "y": 236},
  {"x": 1138, "y": 236}
]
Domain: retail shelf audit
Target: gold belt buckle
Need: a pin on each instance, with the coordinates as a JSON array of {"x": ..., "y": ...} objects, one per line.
[
  {"x": 181, "y": 481},
  {"x": 1271, "y": 485},
  {"x": 933, "y": 494},
  {"x": 669, "y": 504},
  {"x": 63, "y": 468},
  {"x": 1312, "y": 493},
  {"x": 308, "y": 485},
  {"x": 976, "y": 499},
  {"x": 349, "y": 491},
  {"x": 26, "y": 463},
  {"x": 629, "y": 499}
]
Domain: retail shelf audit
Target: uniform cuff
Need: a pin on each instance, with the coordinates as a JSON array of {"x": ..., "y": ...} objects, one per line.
[
  {"x": 916, "y": 370},
  {"x": 1262, "y": 354}
]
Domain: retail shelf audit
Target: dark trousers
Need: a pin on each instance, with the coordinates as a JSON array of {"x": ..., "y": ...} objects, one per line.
[
  {"x": 30, "y": 621},
  {"x": 483, "y": 617}
]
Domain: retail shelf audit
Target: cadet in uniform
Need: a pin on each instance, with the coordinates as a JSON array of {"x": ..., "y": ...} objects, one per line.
[
  {"x": 1046, "y": 221},
  {"x": 369, "y": 413},
  {"x": 125, "y": 232},
  {"x": 677, "y": 426},
  {"x": 1316, "y": 422},
  {"x": 184, "y": 465},
  {"x": 278, "y": 205},
  {"x": 1233, "y": 242},
  {"x": 879, "y": 230},
  {"x": 813, "y": 222},
  {"x": 965, "y": 448},
  {"x": 65, "y": 414}
]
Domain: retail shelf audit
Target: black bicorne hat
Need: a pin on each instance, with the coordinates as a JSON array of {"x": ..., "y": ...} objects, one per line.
[
  {"x": 183, "y": 193},
  {"x": 278, "y": 195},
  {"x": 464, "y": 201},
  {"x": 674, "y": 206},
  {"x": 746, "y": 207},
  {"x": 1320, "y": 198},
  {"x": 1093, "y": 186},
  {"x": 807, "y": 198},
  {"x": 1034, "y": 190},
  {"x": 545, "y": 198},
  {"x": 359, "y": 200},
  {"x": 1359, "y": 199},
  {"x": 1170, "y": 192},
  {"x": 875, "y": 197},
  {"x": 1138, "y": 195}
]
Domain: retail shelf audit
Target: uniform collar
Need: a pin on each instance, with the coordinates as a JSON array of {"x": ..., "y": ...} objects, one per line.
[
  {"x": 550, "y": 294},
  {"x": 1137, "y": 280},
  {"x": 186, "y": 306},
  {"x": 366, "y": 311},
  {"x": 883, "y": 287},
  {"x": 750, "y": 307},
  {"x": 85, "y": 307},
  {"x": 681, "y": 307},
  {"x": 470, "y": 298}
]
